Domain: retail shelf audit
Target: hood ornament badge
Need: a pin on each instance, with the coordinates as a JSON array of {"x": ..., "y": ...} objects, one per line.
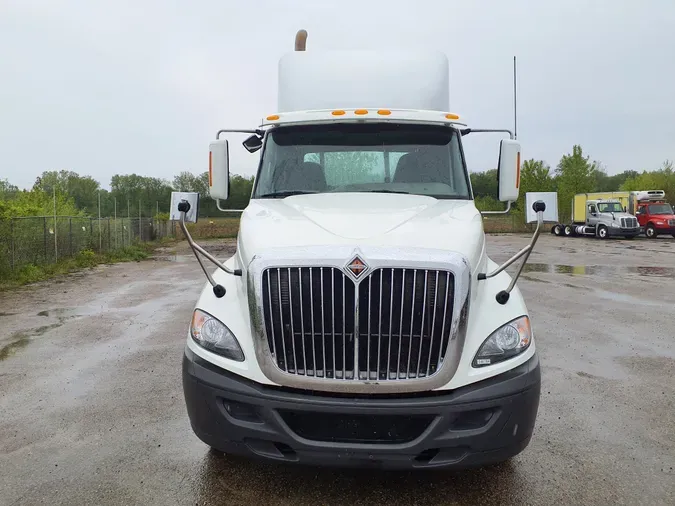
[{"x": 357, "y": 267}]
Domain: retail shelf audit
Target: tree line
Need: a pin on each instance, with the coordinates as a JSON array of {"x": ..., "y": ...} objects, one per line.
[
  {"x": 135, "y": 195},
  {"x": 575, "y": 173},
  {"x": 129, "y": 195}
]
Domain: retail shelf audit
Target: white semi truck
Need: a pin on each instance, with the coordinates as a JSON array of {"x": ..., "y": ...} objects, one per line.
[{"x": 360, "y": 321}]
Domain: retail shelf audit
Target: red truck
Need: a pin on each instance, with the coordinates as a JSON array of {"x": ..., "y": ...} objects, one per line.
[{"x": 656, "y": 217}]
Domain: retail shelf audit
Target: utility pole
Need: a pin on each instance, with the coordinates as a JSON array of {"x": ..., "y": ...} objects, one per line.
[
  {"x": 100, "y": 241},
  {"x": 515, "y": 101},
  {"x": 56, "y": 244}
]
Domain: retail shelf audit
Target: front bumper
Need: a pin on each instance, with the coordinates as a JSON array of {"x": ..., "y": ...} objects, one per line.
[
  {"x": 476, "y": 425},
  {"x": 624, "y": 232},
  {"x": 665, "y": 230}
]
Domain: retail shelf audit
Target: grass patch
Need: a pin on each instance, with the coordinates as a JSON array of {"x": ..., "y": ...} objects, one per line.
[
  {"x": 85, "y": 259},
  {"x": 211, "y": 228}
]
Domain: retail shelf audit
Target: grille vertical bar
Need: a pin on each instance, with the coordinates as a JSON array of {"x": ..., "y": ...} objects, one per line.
[{"x": 345, "y": 323}]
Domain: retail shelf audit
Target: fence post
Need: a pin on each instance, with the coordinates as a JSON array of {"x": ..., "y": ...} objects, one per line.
[
  {"x": 109, "y": 248},
  {"x": 11, "y": 231},
  {"x": 70, "y": 237},
  {"x": 44, "y": 230},
  {"x": 91, "y": 232}
]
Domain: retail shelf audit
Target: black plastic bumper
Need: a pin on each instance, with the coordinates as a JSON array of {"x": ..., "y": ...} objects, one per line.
[
  {"x": 476, "y": 425},
  {"x": 624, "y": 232}
]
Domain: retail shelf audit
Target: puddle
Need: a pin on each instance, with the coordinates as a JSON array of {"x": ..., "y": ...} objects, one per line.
[
  {"x": 593, "y": 270},
  {"x": 62, "y": 313},
  {"x": 10, "y": 348},
  {"x": 181, "y": 259}
]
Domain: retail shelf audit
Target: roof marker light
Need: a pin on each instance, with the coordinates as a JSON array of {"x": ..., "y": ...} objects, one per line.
[
  {"x": 338, "y": 113},
  {"x": 384, "y": 112},
  {"x": 452, "y": 116},
  {"x": 361, "y": 112},
  {"x": 273, "y": 117}
]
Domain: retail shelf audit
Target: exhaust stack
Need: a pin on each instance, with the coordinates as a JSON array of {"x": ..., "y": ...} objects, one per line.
[{"x": 301, "y": 40}]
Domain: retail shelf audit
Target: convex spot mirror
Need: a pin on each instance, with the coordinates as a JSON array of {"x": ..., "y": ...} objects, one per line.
[
  {"x": 253, "y": 144},
  {"x": 192, "y": 199},
  {"x": 508, "y": 170},
  {"x": 219, "y": 170}
]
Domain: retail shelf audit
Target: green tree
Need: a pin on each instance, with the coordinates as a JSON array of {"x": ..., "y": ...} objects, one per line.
[
  {"x": 37, "y": 203},
  {"x": 535, "y": 176},
  {"x": 82, "y": 189},
  {"x": 662, "y": 179},
  {"x": 574, "y": 174},
  {"x": 7, "y": 190},
  {"x": 131, "y": 191},
  {"x": 485, "y": 184}
]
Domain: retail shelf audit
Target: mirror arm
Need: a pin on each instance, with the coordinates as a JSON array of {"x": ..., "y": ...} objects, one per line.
[
  {"x": 503, "y": 296},
  {"x": 506, "y": 211},
  {"x": 237, "y": 131},
  {"x": 218, "y": 290}
]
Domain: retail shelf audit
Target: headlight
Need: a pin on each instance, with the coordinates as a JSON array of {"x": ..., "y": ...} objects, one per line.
[
  {"x": 506, "y": 342},
  {"x": 615, "y": 224},
  {"x": 212, "y": 335}
]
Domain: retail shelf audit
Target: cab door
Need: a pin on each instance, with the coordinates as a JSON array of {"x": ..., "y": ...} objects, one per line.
[
  {"x": 642, "y": 215},
  {"x": 591, "y": 215}
]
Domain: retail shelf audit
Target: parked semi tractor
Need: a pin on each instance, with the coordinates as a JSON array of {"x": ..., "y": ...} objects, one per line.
[
  {"x": 600, "y": 215},
  {"x": 654, "y": 213},
  {"x": 360, "y": 321}
]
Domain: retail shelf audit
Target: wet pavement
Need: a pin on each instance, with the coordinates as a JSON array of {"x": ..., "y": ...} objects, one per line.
[{"x": 91, "y": 406}]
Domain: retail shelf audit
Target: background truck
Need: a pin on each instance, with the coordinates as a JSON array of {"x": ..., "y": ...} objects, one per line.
[
  {"x": 600, "y": 215},
  {"x": 360, "y": 321},
  {"x": 654, "y": 213}
]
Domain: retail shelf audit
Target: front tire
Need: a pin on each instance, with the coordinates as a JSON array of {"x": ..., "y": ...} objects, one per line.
[
  {"x": 650, "y": 232},
  {"x": 602, "y": 232}
]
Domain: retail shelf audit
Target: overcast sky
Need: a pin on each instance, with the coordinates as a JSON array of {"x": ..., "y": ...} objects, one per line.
[{"x": 107, "y": 87}]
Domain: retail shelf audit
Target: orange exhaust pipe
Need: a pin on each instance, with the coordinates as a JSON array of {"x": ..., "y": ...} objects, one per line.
[{"x": 301, "y": 40}]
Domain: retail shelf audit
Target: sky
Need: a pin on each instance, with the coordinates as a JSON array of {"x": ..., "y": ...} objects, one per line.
[{"x": 128, "y": 86}]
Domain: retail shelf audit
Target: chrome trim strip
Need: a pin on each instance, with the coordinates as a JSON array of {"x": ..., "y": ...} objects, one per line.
[{"x": 376, "y": 258}]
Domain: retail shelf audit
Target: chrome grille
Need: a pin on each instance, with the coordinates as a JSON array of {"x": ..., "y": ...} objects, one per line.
[
  {"x": 401, "y": 317},
  {"x": 629, "y": 222}
]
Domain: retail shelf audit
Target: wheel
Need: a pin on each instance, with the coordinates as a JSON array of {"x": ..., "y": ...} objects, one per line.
[
  {"x": 568, "y": 231},
  {"x": 557, "y": 230},
  {"x": 650, "y": 232},
  {"x": 602, "y": 232}
]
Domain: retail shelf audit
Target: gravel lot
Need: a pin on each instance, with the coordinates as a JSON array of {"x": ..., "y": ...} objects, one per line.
[{"x": 91, "y": 405}]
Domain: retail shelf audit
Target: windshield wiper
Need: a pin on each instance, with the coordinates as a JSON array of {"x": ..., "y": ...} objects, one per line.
[
  {"x": 385, "y": 191},
  {"x": 287, "y": 193}
]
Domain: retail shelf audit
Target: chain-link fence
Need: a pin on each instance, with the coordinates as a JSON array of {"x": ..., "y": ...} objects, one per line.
[{"x": 41, "y": 240}]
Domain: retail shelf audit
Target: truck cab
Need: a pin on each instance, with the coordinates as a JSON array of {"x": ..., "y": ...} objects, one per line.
[
  {"x": 360, "y": 321},
  {"x": 656, "y": 217},
  {"x": 609, "y": 218}
]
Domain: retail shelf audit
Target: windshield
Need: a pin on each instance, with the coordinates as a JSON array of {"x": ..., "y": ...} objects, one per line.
[
  {"x": 417, "y": 159},
  {"x": 610, "y": 207},
  {"x": 660, "y": 209}
]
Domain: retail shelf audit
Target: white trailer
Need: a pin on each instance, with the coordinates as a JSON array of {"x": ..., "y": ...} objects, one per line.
[{"x": 360, "y": 321}]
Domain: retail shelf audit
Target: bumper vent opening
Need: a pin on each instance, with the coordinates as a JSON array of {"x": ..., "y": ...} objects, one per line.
[
  {"x": 472, "y": 420},
  {"x": 356, "y": 429},
  {"x": 242, "y": 412}
]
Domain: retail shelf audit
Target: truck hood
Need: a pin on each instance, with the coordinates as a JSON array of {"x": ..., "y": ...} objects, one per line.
[
  {"x": 355, "y": 219},
  {"x": 616, "y": 216}
]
